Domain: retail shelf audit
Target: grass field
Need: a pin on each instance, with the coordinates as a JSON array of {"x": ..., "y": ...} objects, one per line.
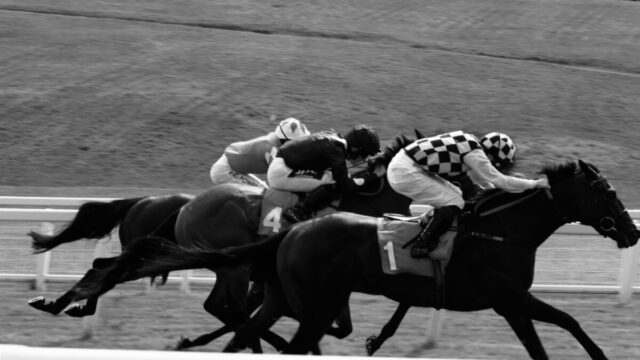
[{"x": 127, "y": 98}]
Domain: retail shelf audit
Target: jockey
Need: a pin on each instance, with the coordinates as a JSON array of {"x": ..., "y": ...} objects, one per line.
[
  {"x": 313, "y": 164},
  {"x": 243, "y": 158},
  {"x": 423, "y": 169}
]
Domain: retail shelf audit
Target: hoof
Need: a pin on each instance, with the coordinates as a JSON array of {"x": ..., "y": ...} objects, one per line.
[
  {"x": 183, "y": 343},
  {"x": 74, "y": 310},
  {"x": 38, "y": 303},
  {"x": 370, "y": 344}
]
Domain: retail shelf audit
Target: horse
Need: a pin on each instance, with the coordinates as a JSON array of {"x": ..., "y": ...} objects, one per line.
[
  {"x": 135, "y": 217},
  {"x": 313, "y": 267},
  {"x": 228, "y": 215}
]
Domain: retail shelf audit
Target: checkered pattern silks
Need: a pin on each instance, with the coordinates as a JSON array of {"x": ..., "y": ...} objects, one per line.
[
  {"x": 500, "y": 145},
  {"x": 443, "y": 154}
]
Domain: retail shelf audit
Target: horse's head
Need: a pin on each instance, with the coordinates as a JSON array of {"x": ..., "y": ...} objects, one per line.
[{"x": 587, "y": 197}]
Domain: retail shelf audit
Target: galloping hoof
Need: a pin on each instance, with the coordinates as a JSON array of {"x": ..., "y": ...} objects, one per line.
[
  {"x": 372, "y": 345},
  {"x": 183, "y": 343},
  {"x": 77, "y": 310},
  {"x": 41, "y": 304}
]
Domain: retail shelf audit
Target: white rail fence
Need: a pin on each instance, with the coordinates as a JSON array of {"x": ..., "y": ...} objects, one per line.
[{"x": 44, "y": 212}]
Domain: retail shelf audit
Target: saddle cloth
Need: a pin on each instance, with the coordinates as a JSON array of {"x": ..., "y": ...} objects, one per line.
[
  {"x": 273, "y": 203},
  {"x": 396, "y": 259}
]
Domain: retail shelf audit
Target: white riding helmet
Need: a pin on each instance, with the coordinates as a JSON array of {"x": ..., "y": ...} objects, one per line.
[
  {"x": 501, "y": 147},
  {"x": 291, "y": 128}
]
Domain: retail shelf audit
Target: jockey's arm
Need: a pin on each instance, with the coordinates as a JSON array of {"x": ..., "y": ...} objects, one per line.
[{"x": 478, "y": 162}]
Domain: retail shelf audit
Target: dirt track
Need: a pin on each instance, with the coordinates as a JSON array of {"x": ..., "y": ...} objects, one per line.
[{"x": 134, "y": 320}]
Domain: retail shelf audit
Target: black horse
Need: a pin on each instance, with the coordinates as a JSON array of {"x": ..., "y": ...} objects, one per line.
[
  {"x": 228, "y": 215},
  {"x": 314, "y": 266},
  {"x": 136, "y": 217}
]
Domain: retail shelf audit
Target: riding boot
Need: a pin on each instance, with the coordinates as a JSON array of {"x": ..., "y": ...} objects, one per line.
[
  {"x": 427, "y": 240},
  {"x": 315, "y": 200}
]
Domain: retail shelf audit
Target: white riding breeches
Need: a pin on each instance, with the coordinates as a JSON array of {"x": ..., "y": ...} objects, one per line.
[
  {"x": 221, "y": 173},
  {"x": 282, "y": 177},
  {"x": 410, "y": 180}
]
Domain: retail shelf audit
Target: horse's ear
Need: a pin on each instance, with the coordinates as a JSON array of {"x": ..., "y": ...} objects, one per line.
[{"x": 419, "y": 135}]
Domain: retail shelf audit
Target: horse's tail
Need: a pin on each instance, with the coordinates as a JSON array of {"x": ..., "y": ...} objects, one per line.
[
  {"x": 171, "y": 257},
  {"x": 94, "y": 220},
  {"x": 150, "y": 256}
]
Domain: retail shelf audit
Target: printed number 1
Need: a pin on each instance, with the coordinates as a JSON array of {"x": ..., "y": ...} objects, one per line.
[
  {"x": 392, "y": 257},
  {"x": 272, "y": 219}
]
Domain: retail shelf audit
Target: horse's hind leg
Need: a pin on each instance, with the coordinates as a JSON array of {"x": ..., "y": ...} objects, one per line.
[
  {"x": 343, "y": 326},
  {"x": 56, "y": 306},
  {"x": 52, "y": 307},
  {"x": 79, "y": 310},
  {"x": 271, "y": 310},
  {"x": 309, "y": 334}
]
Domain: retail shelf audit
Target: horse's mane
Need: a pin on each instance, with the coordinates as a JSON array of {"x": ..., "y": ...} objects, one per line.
[
  {"x": 396, "y": 145},
  {"x": 562, "y": 170}
]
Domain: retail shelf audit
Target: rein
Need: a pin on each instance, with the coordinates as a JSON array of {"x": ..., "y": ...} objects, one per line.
[{"x": 511, "y": 204}]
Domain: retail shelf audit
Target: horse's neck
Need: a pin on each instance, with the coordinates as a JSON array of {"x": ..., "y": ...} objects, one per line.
[{"x": 530, "y": 222}]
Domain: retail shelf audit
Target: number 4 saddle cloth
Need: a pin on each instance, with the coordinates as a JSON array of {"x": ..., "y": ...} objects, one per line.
[{"x": 394, "y": 233}]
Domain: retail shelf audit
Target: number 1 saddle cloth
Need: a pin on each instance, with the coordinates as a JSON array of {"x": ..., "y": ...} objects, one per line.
[{"x": 393, "y": 234}]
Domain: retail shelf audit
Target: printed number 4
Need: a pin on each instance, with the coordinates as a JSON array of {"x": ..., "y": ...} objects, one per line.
[
  {"x": 392, "y": 256},
  {"x": 272, "y": 219}
]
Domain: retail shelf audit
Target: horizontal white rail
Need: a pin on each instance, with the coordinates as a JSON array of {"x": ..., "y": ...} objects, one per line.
[{"x": 38, "y": 201}]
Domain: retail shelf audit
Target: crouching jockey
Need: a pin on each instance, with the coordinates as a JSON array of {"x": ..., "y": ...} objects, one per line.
[
  {"x": 244, "y": 159},
  {"x": 317, "y": 165},
  {"x": 422, "y": 169}
]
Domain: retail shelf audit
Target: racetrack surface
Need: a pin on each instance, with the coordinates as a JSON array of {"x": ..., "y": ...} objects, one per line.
[
  {"x": 148, "y": 94},
  {"x": 135, "y": 320}
]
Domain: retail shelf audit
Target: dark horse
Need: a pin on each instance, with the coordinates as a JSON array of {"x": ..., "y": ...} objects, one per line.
[
  {"x": 136, "y": 217},
  {"x": 313, "y": 267},
  {"x": 228, "y": 215}
]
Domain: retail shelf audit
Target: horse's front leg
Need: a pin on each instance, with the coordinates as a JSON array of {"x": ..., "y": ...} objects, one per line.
[
  {"x": 537, "y": 309},
  {"x": 373, "y": 342},
  {"x": 523, "y": 328}
]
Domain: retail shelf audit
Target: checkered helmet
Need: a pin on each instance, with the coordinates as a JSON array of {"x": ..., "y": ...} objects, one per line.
[
  {"x": 501, "y": 147},
  {"x": 291, "y": 128}
]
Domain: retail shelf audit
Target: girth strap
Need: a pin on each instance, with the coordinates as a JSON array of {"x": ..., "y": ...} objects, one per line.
[{"x": 487, "y": 236}]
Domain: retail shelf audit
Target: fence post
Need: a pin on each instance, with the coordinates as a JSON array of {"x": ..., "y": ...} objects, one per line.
[
  {"x": 89, "y": 323},
  {"x": 628, "y": 268},
  {"x": 435, "y": 328},
  {"x": 43, "y": 260},
  {"x": 184, "y": 284}
]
